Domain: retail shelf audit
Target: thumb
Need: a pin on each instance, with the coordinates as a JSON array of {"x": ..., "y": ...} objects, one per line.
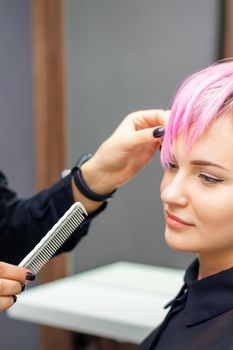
[
  {"x": 13, "y": 272},
  {"x": 148, "y": 136}
]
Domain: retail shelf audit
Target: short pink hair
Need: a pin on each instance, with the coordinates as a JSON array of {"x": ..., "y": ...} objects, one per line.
[{"x": 201, "y": 98}]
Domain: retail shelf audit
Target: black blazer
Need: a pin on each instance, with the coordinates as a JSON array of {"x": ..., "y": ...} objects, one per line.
[{"x": 200, "y": 316}]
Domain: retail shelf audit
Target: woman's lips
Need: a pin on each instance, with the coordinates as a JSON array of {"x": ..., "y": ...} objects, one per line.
[{"x": 176, "y": 222}]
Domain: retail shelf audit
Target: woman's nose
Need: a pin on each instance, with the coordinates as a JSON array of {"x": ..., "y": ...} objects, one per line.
[{"x": 174, "y": 193}]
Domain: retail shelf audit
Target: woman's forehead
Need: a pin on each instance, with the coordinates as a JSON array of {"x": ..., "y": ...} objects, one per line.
[{"x": 215, "y": 144}]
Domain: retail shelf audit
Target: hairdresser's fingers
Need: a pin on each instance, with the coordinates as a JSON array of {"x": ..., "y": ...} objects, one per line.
[
  {"x": 149, "y": 136},
  {"x": 148, "y": 118},
  {"x": 13, "y": 272},
  {"x": 9, "y": 287},
  {"x": 7, "y": 301}
]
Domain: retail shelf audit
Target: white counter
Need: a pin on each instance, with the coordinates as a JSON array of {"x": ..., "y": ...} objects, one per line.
[{"x": 122, "y": 301}]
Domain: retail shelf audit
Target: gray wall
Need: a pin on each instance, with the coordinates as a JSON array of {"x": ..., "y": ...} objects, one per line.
[
  {"x": 16, "y": 138},
  {"x": 123, "y": 56}
]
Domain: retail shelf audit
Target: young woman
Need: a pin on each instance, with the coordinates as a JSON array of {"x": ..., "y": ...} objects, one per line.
[{"x": 197, "y": 195}]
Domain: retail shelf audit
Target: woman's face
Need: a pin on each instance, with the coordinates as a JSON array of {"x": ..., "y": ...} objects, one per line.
[{"x": 197, "y": 188}]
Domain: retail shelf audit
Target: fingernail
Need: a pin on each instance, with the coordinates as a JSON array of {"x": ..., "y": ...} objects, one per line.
[
  {"x": 14, "y": 298},
  {"x": 158, "y": 132},
  {"x": 23, "y": 287},
  {"x": 30, "y": 276}
]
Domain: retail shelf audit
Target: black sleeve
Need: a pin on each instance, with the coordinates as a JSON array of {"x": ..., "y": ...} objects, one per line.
[{"x": 23, "y": 222}]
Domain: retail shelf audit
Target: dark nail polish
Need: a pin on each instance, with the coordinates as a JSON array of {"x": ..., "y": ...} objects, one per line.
[
  {"x": 14, "y": 298},
  {"x": 23, "y": 287},
  {"x": 30, "y": 276},
  {"x": 158, "y": 132}
]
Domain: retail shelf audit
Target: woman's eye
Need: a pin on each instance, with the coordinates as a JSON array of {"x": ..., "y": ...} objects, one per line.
[
  {"x": 172, "y": 166},
  {"x": 209, "y": 180}
]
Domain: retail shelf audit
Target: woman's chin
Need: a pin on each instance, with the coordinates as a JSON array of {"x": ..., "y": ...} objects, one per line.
[{"x": 176, "y": 241}]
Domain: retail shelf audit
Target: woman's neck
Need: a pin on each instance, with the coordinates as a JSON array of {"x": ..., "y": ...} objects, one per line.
[{"x": 210, "y": 264}]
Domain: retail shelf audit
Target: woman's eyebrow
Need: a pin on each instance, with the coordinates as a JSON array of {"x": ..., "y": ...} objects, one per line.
[{"x": 207, "y": 163}]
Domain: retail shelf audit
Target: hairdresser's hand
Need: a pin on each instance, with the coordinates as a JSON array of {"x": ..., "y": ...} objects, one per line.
[
  {"x": 12, "y": 279},
  {"x": 126, "y": 151}
]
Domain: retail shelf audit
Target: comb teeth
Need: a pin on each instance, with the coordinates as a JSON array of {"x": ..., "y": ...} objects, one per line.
[{"x": 54, "y": 239}]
